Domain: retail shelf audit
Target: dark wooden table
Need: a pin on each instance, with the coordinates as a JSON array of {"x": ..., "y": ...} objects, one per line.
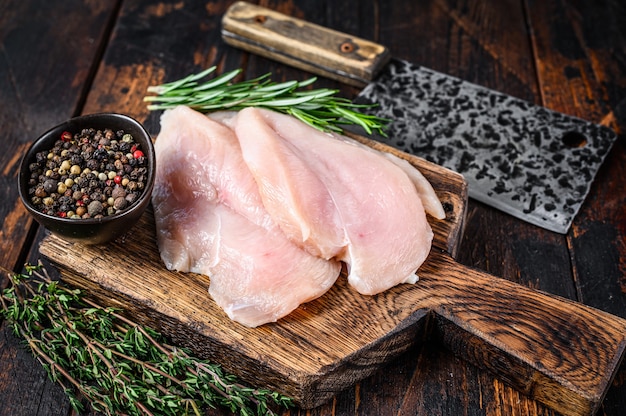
[{"x": 63, "y": 58}]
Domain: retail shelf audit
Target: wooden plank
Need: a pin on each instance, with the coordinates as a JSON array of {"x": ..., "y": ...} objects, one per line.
[
  {"x": 580, "y": 68},
  {"x": 574, "y": 84},
  {"x": 46, "y": 54},
  {"x": 24, "y": 384},
  {"x": 132, "y": 62},
  {"x": 452, "y": 47},
  {"x": 32, "y": 98}
]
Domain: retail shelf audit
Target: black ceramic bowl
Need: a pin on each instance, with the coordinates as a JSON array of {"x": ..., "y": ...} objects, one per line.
[{"x": 91, "y": 230}]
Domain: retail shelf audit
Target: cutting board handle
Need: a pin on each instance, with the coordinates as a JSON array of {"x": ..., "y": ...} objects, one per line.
[
  {"x": 559, "y": 352},
  {"x": 302, "y": 44}
]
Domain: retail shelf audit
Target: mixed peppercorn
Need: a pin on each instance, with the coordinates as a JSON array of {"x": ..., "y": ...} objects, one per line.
[{"x": 90, "y": 174}]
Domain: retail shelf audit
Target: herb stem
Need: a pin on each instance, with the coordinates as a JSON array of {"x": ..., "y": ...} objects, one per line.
[
  {"x": 53, "y": 367},
  {"x": 119, "y": 367},
  {"x": 319, "y": 108}
]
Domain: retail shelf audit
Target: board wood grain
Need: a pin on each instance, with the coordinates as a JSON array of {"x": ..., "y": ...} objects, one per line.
[
  {"x": 527, "y": 337},
  {"x": 522, "y": 48}
]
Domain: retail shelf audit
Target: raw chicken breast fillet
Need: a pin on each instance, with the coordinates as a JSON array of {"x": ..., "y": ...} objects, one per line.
[
  {"x": 210, "y": 219},
  {"x": 430, "y": 200},
  {"x": 337, "y": 199}
]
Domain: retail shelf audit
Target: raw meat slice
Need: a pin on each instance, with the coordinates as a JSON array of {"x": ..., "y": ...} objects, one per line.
[
  {"x": 430, "y": 200},
  {"x": 210, "y": 220},
  {"x": 344, "y": 201},
  {"x": 295, "y": 195}
]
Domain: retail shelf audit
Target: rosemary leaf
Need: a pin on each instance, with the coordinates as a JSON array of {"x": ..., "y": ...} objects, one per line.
[
  {"x": 119, "y": 367},
  {"x": 319, "y": 108}
]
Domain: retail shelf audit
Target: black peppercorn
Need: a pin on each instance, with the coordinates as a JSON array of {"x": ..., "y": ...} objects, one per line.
[
  {"x": 49, "y": 185},
  {"x": 100, "y": 153},
  {"x": 76, "y": 159}
]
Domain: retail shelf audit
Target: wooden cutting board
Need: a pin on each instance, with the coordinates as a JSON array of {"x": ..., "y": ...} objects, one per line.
[{"x": 556, "y": 351}]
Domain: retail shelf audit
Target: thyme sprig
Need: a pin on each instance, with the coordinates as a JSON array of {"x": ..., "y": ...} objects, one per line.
[
  {"x": 95, "y": 353},
  {"x": 319, "y": 108}
]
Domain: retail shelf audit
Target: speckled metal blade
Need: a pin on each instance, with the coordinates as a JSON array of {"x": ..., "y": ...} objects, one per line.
[{"x": 526, "y": 160}]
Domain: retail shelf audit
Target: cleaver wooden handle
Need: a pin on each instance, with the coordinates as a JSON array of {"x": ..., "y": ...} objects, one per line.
[{"x": 302, "y": 44}]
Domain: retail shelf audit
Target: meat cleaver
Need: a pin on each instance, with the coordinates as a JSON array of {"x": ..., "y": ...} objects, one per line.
[{"x": 526, "y": 160}]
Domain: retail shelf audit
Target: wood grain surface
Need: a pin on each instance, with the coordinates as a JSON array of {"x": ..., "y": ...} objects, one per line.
[
  {"x": 560, "y": 353},
  {"x": 59, "y": 59}
]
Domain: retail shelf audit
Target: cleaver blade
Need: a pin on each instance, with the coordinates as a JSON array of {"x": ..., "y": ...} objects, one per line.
[{"x": 525, "y": 160}]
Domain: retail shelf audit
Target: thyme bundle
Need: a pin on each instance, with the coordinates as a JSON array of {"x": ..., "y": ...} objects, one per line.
[
  {"x": 319, "y": 108},
  {"x": 120, "y": 367}
]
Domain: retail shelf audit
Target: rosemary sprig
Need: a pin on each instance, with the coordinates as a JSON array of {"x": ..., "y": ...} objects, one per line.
[
  {"x": 319, "y": 108},
  {"x": 120, "y": 367}
]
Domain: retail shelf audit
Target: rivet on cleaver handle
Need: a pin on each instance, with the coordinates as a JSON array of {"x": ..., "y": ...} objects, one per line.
[{"x": 302, "y": 44}]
